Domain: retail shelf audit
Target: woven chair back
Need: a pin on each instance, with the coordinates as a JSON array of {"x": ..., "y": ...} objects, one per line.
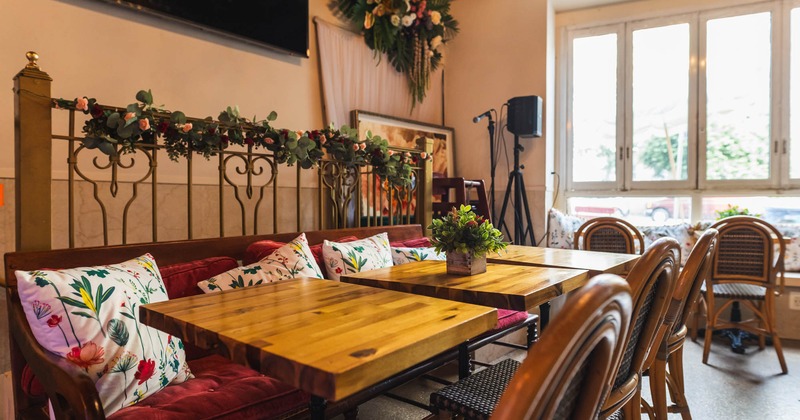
[
  {"x": 566, "y": 374},
  {"x": 609, "y": 234},
  {"x": 690, "y": 281},
  {"x": 652, "y": 282},
  {"x": 747, "y": 252}
]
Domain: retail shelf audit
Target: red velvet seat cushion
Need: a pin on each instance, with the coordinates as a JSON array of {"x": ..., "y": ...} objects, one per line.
[
  {"x": 422, "y": 242},
  {"x": 259, "y": 250},
  {"x": 507, "y": 318},
  {"x": 31, "y": 386},
  {"x": 181, "y": 279},
  {"x": 220, "y": 389}
]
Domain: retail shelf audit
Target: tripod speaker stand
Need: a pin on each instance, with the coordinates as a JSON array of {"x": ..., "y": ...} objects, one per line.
[{"x": 522, "y": 222}]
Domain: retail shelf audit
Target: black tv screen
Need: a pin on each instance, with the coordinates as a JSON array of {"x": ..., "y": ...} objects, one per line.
[{"x": 278, "y": 24}]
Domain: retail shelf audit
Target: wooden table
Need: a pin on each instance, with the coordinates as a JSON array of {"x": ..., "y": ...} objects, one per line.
[
  {"x": 327, "y": 338},
  {"x": 594, "y": 261},
  {"x": 507, "y": 286}
]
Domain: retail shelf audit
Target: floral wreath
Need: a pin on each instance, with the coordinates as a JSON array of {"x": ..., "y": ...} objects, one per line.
[
  {"x": 409, "y": 32},
  {"x": 114, "y": 131}
]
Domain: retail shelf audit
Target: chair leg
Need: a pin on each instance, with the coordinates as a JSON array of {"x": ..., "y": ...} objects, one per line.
[
  {"x": 769, "y": 308},
  {"x": 633, "y": 408},
  {"x": 762, "y": 339},
  {"x": 676, "y": 375},
  {"x": 711, "y": 320},
  {"x": 658, "y": 385}
]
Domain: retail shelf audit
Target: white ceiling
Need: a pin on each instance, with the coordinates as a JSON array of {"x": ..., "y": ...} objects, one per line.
[{"x": 564, "y": 5}]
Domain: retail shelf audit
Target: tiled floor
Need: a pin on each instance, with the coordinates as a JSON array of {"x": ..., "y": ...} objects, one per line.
[{"x": 732, "y": 386}]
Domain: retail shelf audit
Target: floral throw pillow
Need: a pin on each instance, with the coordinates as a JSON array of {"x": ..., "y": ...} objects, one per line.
[
  {"x": 90, "y": 316},
  {"x": 561, "y": 229},
  {"x": 357, "y": 256},
  {"x": 287, "y": 262},
  {"x": 401, "y": 255}
]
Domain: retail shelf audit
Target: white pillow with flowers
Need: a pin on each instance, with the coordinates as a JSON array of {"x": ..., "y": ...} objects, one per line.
[
  {"x": 402, "y": 255},
  {"x": 287, "y": 262},
  {"x": 90, "y": 316},
  {"x": 357, "y": 256}
]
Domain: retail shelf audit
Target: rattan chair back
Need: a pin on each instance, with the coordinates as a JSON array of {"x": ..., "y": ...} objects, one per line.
[
  {"x": 609, "y": 234},
  {"x": 566, "y": 374},
  {"x": 747, "y": 252},
  {"x": 694, "y": 273},
  {"x": 652, "y": 282}
]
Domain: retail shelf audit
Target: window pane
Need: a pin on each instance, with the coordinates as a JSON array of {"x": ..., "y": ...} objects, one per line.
[
  {"x": 776, "y": 210},
  {"x": 641, "y": 211},
  {"x": 794, "y": 108},
  {"x": 661, "y": 103},
  {"x": 738, "y": 97},
  {"x": 594, "y": 108}
]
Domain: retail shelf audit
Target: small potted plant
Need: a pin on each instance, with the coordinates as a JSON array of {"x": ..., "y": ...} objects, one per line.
[{"x": 466, "y": 238}]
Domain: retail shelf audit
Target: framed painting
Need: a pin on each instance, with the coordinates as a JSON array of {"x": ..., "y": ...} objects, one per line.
[{"x": 404, "y": 133}]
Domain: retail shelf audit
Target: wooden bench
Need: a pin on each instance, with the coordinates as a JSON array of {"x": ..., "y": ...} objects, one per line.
[{"x": 73, "y": 393}]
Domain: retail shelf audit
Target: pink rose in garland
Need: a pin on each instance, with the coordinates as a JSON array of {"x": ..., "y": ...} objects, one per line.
[
  {"x": 86, "y": 356},
  {"x": 145, "y": 371},
  {"x": 82, "y": 104},
  {"x": 144, "y": 124}
]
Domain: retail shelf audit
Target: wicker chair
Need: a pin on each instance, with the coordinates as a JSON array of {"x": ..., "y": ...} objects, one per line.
[
  {"x": 566, "y": 374},
  {"x": 746, "y": 269},
  {"x": 670, "y": 352},
  {"x": 652, "y": 282},
  {"x": 609, "y": 234}
]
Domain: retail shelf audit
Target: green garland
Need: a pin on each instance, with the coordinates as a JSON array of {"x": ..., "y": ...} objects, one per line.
[
  {"x": 114, "y": 131},
  {"x": 409, "y": 32}
]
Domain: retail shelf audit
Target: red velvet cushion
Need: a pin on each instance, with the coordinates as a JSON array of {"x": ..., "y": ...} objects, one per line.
[
  {"x": 257, "y": 251},
  {"x": 422, "y": 242},
  {"x": 507, "y": 318},
  {"x": 30, "y": 385},
  {"x": 220, "y": 389},
  {"x": 181, "y": 279}
]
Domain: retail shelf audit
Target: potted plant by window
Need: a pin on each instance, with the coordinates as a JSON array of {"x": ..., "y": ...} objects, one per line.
[{"x": 466, "y": 238}]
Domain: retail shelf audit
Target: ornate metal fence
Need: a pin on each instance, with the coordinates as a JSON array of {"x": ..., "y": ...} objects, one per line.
[{"x": 119, "y": 197}]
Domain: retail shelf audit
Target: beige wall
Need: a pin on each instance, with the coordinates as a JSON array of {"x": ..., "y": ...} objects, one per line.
[{"x": 505, "y": 49}]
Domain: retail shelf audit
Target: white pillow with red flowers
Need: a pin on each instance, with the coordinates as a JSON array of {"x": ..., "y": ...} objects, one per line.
[
  {"x": 402, "y": 255},
  {"x": 356, "y": 256},
  {"x": 90, "y": 316},
  {"x": 287, "y": 262}
]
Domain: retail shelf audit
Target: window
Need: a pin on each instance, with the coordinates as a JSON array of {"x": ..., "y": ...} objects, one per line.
[{"x": 681, "y": 108}]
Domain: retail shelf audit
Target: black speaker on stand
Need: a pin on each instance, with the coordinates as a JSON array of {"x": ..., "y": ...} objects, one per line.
[{"x": 524, "y": 120}]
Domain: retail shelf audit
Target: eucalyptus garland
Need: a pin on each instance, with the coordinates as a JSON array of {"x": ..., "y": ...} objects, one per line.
[
  {"x": 409, "y": 32},
  {"x": 118, "y": 131}
]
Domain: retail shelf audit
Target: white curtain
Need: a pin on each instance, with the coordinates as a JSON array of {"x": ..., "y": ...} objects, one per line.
[{"x": 352, "y": 79}]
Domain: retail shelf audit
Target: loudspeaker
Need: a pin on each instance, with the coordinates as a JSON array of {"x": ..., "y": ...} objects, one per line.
[{"x": 525, "y": 116}]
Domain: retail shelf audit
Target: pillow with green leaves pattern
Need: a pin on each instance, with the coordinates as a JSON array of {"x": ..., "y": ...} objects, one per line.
[{"x": 287, "y": 262}]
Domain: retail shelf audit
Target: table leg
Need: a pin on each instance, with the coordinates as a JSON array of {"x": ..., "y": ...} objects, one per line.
[
  {"x": 544, "y": 315},
  {"x": 317, "y": 407},
  {"x": 463, "y": 361}
]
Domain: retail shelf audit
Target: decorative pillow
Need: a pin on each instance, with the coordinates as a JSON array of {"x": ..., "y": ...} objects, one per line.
[
  {"x": 259, "y": 250},
  {"x": 561, "y": 229},
  {"x": 90, "y": 316},
  {"x": 287, "y": 262},
  {"x": 422, "y": 242},
  {"x": 181, "y": 279},
  {"x": 357, "y": 256},
  {"x": 682, "y": 232},
  {"x": 401, "y": 255}
]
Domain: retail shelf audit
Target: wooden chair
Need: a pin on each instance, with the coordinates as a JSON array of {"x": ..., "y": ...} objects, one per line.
[
  {"x": 652, "y": 282},
  {"x": 745, "y": 269},
  {"x": 670, "y": 352},
  {"x": 609, "y": 234},
  {"x": 461, "y": 195},
  {"x": 565, "y": 375}
]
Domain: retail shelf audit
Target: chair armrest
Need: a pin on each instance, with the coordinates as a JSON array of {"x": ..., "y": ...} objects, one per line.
[{"x": 71, "y": 391}]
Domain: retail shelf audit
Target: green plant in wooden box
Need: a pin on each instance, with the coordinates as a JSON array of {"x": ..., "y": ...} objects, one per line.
[
  {"x": 734, "y": 211},
  {"x": 466, "y": 238}
]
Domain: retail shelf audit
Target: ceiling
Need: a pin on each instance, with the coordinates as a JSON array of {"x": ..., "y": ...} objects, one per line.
[{"x": 564, "y": 5}]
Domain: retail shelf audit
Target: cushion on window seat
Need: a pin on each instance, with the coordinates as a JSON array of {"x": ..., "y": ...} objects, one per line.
[
  {"x": 422, "y": 242},
  {"x": 220, "y": 389},
  {"x": 181, "y": 279},
  {"x": 257, "y": 251}
]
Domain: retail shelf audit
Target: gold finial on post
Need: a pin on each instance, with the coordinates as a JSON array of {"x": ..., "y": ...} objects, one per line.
[{"x": 32, "y": 57}]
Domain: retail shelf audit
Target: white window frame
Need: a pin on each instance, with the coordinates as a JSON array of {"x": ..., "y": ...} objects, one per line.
[
  {"x": 786, "y": 181},
  {"x": 689, "y": 182},
  {"x": 775, "y": 118}
]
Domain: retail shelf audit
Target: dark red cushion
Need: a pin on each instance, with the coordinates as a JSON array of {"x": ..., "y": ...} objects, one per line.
[
  {"x": 257, "y": 251},
  {"x": 181, "y": 279},
  {"x": 412, "y": 243},
  {"x": 30, "y": 385},
  {"x": 220, "y": 389},
  {"x": 507, "y": 318}
]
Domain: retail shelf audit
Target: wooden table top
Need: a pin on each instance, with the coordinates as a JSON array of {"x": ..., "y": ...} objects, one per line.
[
  {"x": 594, "y": 261},
  {"x": 505, "y": 286},
  {"x": 327, "y": 338}
]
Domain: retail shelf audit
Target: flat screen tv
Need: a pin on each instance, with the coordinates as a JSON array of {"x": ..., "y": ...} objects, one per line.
[{"x": 276, "y": 24}]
